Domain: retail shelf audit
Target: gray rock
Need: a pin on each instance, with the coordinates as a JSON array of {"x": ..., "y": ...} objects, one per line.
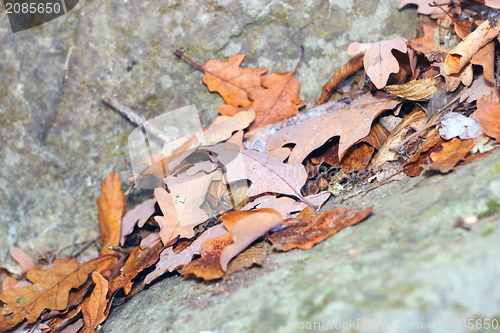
[{"x": 58, "y": 140}]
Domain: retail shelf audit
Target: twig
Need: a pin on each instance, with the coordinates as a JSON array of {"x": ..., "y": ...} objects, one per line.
[{"x": 135, "y": 118}]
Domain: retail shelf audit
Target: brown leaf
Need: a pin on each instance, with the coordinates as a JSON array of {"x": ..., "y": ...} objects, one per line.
[
  {"x": 95, "y": 308},
  {"x": 208, "y": 267},
  {"x": 465, "y": 76},
  {"x": 492, "y": 3},
  {"x": 223, "y": 126},
  {"x": 488, "y": 116},
  {"x": 277, "y": 99},
  {"x": 22, "y": 258},
  {"x": 424, "y": 7},
  {"x": 181, "y": 207},
  {"x": 461, "y": 54},
  {"x": 416, "y": 90},
  {"x": 351, "y": 124},
  {"x": 267, "y": 173},
  {"x": 138, "y": 215},
  {"x": 231, "y": 81},
  {"x": 111, "y": 205},
  {"x": 379, "y": 62},
  {"x": 485, "y": 57},
  {"x": 347, "y": 70},
  {"x": 49, "y": 291},
  {"x": 357, "y": 158},
  {"x": 286, "y": 205},
  {"x": 170, "y": 261},
  {"x": 254, "y": 255},
  {"x": 245, "y": 227},
  {"x": 480, "y": 88},
  {"x": 319, "y": 227},
  {"x": 425, "y": 43},
  {"x": 453, "y": 152},
  {"x": 139, "y": 259}
]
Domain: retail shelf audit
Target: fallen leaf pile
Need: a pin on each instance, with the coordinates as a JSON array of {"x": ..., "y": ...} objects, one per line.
[{"x": 429, "y": 104}]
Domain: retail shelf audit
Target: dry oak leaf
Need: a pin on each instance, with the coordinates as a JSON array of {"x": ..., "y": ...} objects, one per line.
[
  {"x": 223, "y": 127},
  {"x": 22, "y": 258},
  {"x": 461, "y": 54},
  {"x": 277, "y": 99},
  {"x": 181, "y": 207},
  {"x": 170, "y": 261},
  {"x": 485, "y": 57},
  {"x": 95, "y": 308},
  {"x": 318, "y": 228},
  {"x": 424, "y": 7},
  {"x": 465, "y": 76},
  {"x": 488, "y": 116},
  {"x": 480, "y": 88},
  {"x": 492, "y": 3},
  {"x": 416, "y": 90},
  {"x": 139, "y": 259},
  {"x": 351, "y": 124},
  {"x": 286, "y": 205},
  {"x": 138, "y": 215},
  {"x": 231, "y": 81},
  {"x": 50, "y": 290},
  {"x": 379, "y": 62},
  {"x": 111, "y": 205},
  {"x": 453, "y": 152},
  {"x": 267, "y": 174},
  {"x": 425, "y": 43},
  {"x": 208, "y": 267},
  {"x": 245, "y": 227}
]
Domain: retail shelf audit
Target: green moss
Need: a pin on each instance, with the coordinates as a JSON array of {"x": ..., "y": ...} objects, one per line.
[
  {"x": 496, "y": 168},
  {"x": 489, "y": 230},
  {"x": 493, "y": 208}
]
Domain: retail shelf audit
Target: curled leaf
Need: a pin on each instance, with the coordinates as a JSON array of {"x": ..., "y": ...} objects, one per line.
[{"x": 416, "y": 90}]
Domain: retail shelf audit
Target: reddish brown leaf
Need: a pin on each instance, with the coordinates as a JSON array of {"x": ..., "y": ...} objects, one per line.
[
  {"x": 49, "y": 291},
  {"x": 425, "y": 43},
  {"x": 94, "y": 308},
  {"x": 485, "y": 57},
  {"x": 139, "y": 259},
  {"x": 351, "y": 124},
  {"x": 277, "y": 99},
  {"x": 461, "y": 54},
  {"x": 110, "y": 206},
  {"x": 170, "y": 261},
  {"x": 245, "y": 227},
  {"x": 453, "y": 152},
  {"x": 347, "y": 70},
  {"x": 357, "y": 158},
  {"x": 231, "y": 81},
  {"x": 208, "y": 267},
  {"x": 488, "y": 116},
  {"x": 319, "y": 227}
]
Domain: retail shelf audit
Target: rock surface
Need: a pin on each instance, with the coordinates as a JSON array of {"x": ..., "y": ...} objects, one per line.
[
  {"x": 416, "y": 267},
  {"x": 58, "y": 140}
]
